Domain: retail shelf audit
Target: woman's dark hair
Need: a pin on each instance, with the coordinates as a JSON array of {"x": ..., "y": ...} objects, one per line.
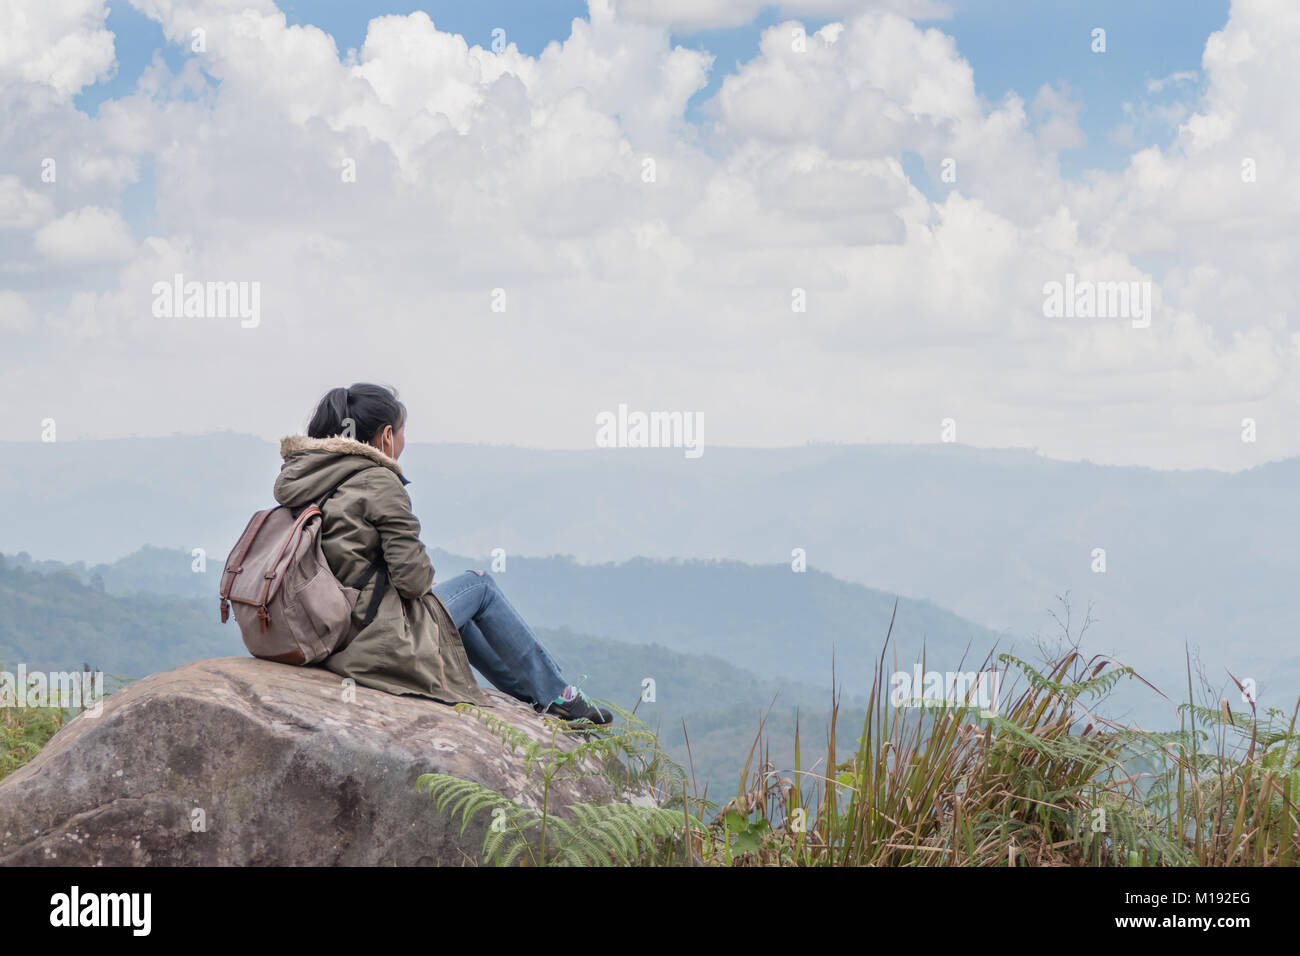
[{"x": 370, "y": 407}]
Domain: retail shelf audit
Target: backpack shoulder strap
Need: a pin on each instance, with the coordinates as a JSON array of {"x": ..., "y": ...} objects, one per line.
[{"x": 378, "y": 571}]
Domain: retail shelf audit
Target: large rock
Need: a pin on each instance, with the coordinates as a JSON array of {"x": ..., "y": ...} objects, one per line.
[{"x": 284, "y": 771}]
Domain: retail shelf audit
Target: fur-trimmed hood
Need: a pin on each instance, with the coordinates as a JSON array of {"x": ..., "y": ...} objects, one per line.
[
  {"x": 312, "y": 466},
  {"x": 338, "y": 445}
]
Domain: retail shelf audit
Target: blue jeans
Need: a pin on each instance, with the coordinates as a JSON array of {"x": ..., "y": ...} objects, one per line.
[{"x": 498, "y": 643}]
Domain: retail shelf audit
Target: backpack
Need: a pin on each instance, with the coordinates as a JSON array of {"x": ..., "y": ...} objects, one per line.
[{"x": 289, "y": 605}]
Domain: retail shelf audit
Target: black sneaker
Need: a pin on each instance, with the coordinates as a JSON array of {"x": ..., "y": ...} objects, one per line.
[{"x": 579, "y": 709}]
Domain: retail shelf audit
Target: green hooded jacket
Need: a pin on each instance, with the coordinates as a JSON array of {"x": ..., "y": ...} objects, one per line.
[{"x": 412, "y": 646}]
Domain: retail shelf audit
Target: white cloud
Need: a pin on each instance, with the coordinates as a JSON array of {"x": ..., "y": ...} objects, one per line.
[
  {"x": 15, "y": 314},
  {"x": 643, "y": 262},
  {"x": 86, "y": 235},
  {"x": 61, "y": 44},
  {"x": 1057, "y": 119},
  {"x": 1173, "y": 79},
  {"x": 21, "y": 208},
  {"x": 692, "y": 15}
]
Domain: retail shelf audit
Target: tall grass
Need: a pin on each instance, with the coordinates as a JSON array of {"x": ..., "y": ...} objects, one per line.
[{"x": 1044, "y": 782}]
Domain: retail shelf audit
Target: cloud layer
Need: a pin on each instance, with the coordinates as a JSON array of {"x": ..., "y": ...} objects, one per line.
[{"x": 386, "y": 204}]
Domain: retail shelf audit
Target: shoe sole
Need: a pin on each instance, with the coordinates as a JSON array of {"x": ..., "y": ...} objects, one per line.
[{"x": 578, "y": 720}]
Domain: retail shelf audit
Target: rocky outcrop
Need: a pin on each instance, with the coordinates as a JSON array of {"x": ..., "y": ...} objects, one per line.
[{"x": 236, "y": 761}]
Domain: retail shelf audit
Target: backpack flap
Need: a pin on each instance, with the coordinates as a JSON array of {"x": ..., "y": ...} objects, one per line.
[{"x": 256, "y": 567}]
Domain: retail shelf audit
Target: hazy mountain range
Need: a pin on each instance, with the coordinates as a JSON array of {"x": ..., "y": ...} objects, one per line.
[
  {"x": 803, "y": 622},
  {"x": 1202, "y": 558}
]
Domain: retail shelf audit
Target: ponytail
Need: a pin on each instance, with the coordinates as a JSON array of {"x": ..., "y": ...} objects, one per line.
[{"x": 365, "y": 408}]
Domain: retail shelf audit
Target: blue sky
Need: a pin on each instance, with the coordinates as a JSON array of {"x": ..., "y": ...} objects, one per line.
[{"x": 1011, "y": 45}]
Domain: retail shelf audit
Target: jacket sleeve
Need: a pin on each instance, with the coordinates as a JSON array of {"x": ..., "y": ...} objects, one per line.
[{"x": 389, "y": 510}]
